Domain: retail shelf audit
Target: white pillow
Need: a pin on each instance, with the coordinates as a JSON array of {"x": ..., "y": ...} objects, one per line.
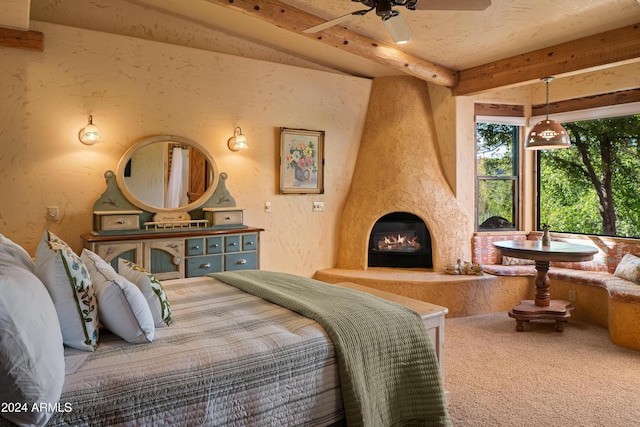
[
  {"x": 14, "y": 254},
  {"x": 122, "y": 307},
  {"x": 151, "y": 289},
  {"x": 31, "y": 349},
  {"x": 68, "y": 282}
]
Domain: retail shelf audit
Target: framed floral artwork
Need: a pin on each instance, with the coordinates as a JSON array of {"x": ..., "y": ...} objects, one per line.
[{"x": 301, "y": 161}]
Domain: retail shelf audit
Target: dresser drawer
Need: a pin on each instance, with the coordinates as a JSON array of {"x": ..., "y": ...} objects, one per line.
[
  {"x": 194, "y": 247},
  {"x": 227, "y": 218},
  {"x": 201, "y": 265},
  {"x": 232, "y": 244},
  {"x": 241, "y": 261},
  {"x": 215, "y": 245},
  {"x": 119, "y": 222},
  {"x": 249, "y": 242}
]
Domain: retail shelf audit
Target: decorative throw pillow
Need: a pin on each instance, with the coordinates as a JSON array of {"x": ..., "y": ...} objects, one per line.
[
  {"x": 31, "y": 349},
  {"x": 122, "y": 307},
  {"x": 14, "y": 254},
  {"x": 69, "y": 284},
  {"x": 629, "y": 268},
  {"x": 508, "y": 260},
  {"x": 151, "y": 289}
]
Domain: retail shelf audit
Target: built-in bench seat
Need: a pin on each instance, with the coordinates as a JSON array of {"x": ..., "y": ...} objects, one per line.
[{"x": 600, "y": 296}]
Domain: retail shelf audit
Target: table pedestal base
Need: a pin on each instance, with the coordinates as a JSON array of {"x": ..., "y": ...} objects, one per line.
[{"x": 527, "y": 310}]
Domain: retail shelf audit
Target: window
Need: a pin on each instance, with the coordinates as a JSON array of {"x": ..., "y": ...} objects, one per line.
[
  {"x": 592, "y": 187},
  {"x": 496, "y": 175}
]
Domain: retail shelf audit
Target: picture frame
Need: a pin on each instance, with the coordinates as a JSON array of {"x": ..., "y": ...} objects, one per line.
[{"x": 301, "y": 161}]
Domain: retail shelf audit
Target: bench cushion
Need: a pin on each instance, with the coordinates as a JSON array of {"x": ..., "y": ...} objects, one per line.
[
  {"x": 510, "y": 270},
  {"x": 483, "y": 250}
]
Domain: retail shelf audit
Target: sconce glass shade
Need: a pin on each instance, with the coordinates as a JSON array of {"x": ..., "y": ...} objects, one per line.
[
  {"x": 90, "y": 134},
  {"x": 238, "y": 141},
  {"x": 397, "y": 28},
  {"x": 547, "y": 134}
]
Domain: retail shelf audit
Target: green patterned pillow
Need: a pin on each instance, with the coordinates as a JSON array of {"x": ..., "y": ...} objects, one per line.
[
  {"x": 629, "y": 268},
  {"x": 151, "y": 289},
  {"x": 67, "y": 280}
]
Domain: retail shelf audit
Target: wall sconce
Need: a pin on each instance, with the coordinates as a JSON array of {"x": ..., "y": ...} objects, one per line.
[
  {"x": 547, "y": 134},
  {"x": 238, "y": 141},
  {"x": 90, "y": 134}
]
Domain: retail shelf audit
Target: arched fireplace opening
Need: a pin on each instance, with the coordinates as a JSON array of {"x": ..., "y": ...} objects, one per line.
[{"x": 401, "y": 240}]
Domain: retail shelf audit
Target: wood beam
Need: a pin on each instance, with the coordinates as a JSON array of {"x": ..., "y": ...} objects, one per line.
[
  {"x": 289, "y": 18},
  {"x": 586, "y": 54},
  {"x": 499, "y": 110},
  {"x": 28, "y": 40},
  {"x": 587, "y": 102}
]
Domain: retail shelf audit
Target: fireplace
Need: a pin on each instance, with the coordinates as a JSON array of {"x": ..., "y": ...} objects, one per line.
[
  {"x": 400, "y": 240},
  {"x": 399, "y": 168}
]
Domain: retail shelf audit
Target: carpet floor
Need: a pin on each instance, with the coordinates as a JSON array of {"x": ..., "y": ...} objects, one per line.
[{"x": 496, "y": 376}]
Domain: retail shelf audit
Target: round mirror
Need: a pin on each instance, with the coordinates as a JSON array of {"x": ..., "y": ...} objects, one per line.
[{"x": 167, "y": 173}]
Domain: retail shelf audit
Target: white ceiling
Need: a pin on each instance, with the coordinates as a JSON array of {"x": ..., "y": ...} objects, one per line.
[{"x": 454, "y": 39}]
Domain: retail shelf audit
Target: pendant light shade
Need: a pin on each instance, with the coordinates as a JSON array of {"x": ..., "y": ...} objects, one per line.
[{"x": 547, "y": 134}]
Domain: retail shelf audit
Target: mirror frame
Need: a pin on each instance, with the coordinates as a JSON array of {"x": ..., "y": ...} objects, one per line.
[{"x": 165, "y": 138}]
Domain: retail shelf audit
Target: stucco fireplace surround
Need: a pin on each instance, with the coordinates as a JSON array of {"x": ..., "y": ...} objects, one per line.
[{"x": 398, "y": 169}]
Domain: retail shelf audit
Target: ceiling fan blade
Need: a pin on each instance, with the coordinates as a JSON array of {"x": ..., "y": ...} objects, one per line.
[
  {"x": 453, "y": 4},
  {"x": 336, "y": 21}
]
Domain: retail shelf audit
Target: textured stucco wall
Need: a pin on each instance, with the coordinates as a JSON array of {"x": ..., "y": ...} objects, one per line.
[{"x": 135, "y": 88}]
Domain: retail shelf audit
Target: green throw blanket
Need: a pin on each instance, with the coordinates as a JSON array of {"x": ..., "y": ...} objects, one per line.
[{"x": 388, "y": 367}]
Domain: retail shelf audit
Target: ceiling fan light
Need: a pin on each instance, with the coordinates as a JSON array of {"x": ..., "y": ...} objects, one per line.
[{"x": 397, "y": 28}]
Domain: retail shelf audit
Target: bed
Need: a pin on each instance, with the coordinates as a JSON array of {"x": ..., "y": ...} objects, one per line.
[{"x": 241, "y": 349}]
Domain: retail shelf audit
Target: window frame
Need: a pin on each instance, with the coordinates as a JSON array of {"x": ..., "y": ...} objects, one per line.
[
  {"x": 518, "y": 123},
  {"x": 582, "y": 109}
]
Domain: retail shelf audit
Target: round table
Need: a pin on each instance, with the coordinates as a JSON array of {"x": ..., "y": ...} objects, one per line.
[{"x": 543, "y": 307}]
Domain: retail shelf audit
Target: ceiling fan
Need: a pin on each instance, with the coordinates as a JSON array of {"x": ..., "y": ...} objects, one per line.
[{"x": 393, "y": 21}]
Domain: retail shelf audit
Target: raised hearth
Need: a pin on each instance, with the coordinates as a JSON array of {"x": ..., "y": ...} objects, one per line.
[{"x": 463, "y": 295}]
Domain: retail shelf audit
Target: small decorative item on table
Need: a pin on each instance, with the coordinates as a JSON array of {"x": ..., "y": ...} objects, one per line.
[{"x": 546, "y": 238}]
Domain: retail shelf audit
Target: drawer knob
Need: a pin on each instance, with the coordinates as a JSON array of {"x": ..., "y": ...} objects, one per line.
[
  {"x": 121, "y": 221},
  {"x": 228, "y": 218},
  {"x": 176, "y": 260},
  {"x": 233, "y": 244},
  {"x": 196, "y": 247},
  {"x": 241, "y": 261},
  {"x": 215, "y": 246},
  {"x": 205, "y": 265},
  {"x": 250, "y": 243}
]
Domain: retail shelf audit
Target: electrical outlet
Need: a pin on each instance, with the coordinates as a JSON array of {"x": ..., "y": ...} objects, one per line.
[
  {"x": 318, "y": 206},
  {"x": 52, "y": 213},
  {"x": 572, "y": 295},
  {"x": 267, "y": 207}
]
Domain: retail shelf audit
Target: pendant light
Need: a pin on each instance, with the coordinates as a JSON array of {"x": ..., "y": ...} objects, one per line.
[{"x": 547, "y": 134}]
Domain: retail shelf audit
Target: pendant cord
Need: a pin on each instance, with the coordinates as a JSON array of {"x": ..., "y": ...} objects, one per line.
[{"x": 547, "y": 101}]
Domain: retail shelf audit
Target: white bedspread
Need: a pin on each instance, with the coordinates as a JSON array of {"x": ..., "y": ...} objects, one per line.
[{"x": 228, "y": 358}]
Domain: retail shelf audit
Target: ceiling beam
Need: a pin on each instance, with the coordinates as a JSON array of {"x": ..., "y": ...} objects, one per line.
[
  {"x": 591, "y": 53},
  {"x": 296, "y": 20},
  {"x": 587, "y": 102},
  {"x": 27, "y": 40}
]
